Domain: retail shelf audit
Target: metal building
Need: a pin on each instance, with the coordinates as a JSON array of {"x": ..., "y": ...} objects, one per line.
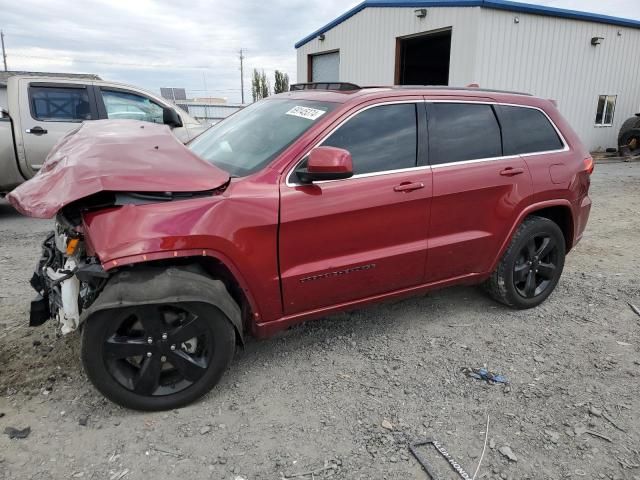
[{"x": 588, "y": 63}]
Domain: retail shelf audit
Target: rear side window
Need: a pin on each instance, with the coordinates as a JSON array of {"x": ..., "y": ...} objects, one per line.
[
  {"x": 459, "y": 132},
  {"x": 59, "y": 104},
  {"x": 527, "y": 130},
  {"x": 380, "y": 138}
]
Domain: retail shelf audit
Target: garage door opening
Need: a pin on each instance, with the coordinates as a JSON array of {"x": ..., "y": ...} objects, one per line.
[
  {"x": 324, "y": 67},
  {"x": 423, "y": 59}
]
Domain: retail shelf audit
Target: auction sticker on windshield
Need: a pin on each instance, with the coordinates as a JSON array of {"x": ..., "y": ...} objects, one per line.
[{"x": 306, "y": 112}]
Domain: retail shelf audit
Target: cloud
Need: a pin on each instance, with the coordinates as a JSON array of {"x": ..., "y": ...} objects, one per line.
[{"x": 181, "y": 43}]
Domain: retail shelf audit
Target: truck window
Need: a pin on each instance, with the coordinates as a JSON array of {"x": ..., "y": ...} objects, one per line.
[
  {"x": 127, "y": 105},
  {"x": 59, "y": 104}
]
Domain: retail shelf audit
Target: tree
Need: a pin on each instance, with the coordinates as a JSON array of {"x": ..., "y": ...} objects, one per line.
[
  {"x": 264, "y": 84},
  {"x": 281, "y": 82},
  {"x": 259, "y": 85}
]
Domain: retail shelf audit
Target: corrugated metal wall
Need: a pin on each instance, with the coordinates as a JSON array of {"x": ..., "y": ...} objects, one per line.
[
  {"x": 547, "y": 56},
  {"x": 553, "y": 58},
  {"x": 368, "y": 47}
]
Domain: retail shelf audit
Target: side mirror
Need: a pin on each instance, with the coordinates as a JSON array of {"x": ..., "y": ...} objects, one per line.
[
  {"x": 326, "y": 163},
  {"x": 4, "y": 113},
  {"x": 170, "y": 117}
]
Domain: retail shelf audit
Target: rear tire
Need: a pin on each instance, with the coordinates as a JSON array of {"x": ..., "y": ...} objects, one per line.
[
  {"x": 532, "y": 265},
  {"x": 158, "y": 356}
]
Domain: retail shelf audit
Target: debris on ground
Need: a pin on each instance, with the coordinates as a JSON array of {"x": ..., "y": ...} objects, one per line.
[
  {"x": 83, "y": 420},
  {"x": 386, "y": 424},
  {"x": 484, "y": 374},
  {"x": 17, "y": 433},
  {"x": 635, "y": 309},
  {"x": 442, "y": 451},
  {"x": 506, "y": 451}
]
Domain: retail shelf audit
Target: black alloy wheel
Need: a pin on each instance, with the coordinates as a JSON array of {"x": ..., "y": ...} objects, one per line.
[
  {"x": 536, "y": 266},
  {"x": 531, "y": 267},
  {"x": 157, "y": 350}
]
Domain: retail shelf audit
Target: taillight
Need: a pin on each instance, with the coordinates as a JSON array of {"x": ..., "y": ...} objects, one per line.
[{"x": 589, "y": 165}]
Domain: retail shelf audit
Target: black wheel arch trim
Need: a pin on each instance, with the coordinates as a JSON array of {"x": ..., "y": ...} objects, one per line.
[{"x": 147, "y": 285}]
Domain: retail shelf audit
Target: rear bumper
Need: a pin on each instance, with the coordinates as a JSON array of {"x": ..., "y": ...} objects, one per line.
[{"x": 583, "y": 209}]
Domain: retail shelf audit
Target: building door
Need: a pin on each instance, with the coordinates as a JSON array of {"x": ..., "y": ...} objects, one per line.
[
  {"x": 423, "y": 59},
  {"x": 346, "y": 240},
  {"x": 324, "y": 67}
]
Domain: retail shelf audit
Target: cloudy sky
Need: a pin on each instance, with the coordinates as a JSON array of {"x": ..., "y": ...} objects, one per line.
[{"x": 182, "y": 43}]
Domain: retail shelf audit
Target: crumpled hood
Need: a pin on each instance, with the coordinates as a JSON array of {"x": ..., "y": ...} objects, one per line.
[{"x": 116, "y": 156}]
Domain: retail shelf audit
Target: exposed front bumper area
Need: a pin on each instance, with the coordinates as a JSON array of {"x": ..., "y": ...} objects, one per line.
[{"x": 57, "y": 279}]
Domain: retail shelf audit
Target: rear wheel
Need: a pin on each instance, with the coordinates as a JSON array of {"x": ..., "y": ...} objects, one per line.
[
  {"x": 158, "y": 356},
  {"x": 531, "y": 267}
]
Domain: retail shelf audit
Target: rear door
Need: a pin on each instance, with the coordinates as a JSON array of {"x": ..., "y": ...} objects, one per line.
[
  {"x": 49, "y": 110},
  {"x": 477, "y": 190},
  {"x": 349, "y": 239}
]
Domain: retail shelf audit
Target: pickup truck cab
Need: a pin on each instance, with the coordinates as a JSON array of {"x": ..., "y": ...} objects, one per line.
[
  {"x": 301, "y": 205},
  {"x": 41, "y": 110}
]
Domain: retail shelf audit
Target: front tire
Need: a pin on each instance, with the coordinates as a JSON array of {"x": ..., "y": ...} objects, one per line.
[
  {"x": 532, "y": 265},
  {"x": 157, "y": 356}
]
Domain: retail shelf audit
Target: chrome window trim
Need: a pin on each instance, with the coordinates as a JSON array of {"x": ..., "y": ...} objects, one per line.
[{"x": 565, "y": 144}]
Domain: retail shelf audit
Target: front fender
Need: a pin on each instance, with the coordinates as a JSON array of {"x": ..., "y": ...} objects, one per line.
[{"x": 239, "y": 232}]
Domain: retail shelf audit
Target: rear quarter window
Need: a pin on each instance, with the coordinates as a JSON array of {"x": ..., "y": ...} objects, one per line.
[{"x": 527, "y": 130}]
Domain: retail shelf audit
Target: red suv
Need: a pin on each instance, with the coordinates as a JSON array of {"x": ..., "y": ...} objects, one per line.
[{"x": 307, "y": 203}]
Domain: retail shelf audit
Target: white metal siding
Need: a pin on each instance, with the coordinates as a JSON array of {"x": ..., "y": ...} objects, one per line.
[
  {"x": 367, "y": 43},
  {"x": 547, "y": 56},
  {"x": 553, "y": 58}
]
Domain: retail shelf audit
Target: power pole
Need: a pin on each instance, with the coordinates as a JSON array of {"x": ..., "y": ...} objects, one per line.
[
  {"x": 241, "y": 76},
  {"x": 4, "y": 55}
]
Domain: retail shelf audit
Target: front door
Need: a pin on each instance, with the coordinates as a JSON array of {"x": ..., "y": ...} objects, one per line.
[
  {"x": 345, "y": 240},
  {"x": 54, "y": 109},
  {"x": 477, "y": 191}
]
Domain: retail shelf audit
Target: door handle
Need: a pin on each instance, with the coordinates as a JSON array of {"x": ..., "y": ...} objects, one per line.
[
  {"x": 36, "y": 131},
  {"x": 510, "y": 171},
  {"x": 408, "y": 187}
]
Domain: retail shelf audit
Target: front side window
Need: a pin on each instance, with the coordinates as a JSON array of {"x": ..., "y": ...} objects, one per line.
[
  {"x": 60, "y": 104},
  {"x": 605, "y": 110},
  {"x": 127, "y": 105},
  {"x": 527, "y": 130},
  {"x": 380, "y": 138},
  {"x": 250, "y": 139},
  {"x": 459, "y": 132}
]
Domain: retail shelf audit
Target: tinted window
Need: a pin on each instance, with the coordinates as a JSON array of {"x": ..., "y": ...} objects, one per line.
[
  {"x": 60, "y": 104},
  {"x": 131, "y": 106},
  {"x": 526, "y": 130},
  {"x": 380, "y": 138},
  {"x": 459, "y": 132}
]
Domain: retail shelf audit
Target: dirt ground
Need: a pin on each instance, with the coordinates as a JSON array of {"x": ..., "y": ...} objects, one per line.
[{"x": 343, "y": 396}]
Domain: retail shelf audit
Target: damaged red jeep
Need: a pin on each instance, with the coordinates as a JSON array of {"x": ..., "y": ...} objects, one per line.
[{"x": 311, "y": 202}]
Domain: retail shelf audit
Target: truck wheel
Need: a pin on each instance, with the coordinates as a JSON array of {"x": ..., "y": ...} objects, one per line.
[
  {"x": 631, "y": 138},
  {"x": 531, "y": 267},
  {"x": 157, "y": 356},
  {"x": 628, "y": 125}
]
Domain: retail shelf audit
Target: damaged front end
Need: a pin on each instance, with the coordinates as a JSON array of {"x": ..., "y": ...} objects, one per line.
[{"x": 66, "y": 278}]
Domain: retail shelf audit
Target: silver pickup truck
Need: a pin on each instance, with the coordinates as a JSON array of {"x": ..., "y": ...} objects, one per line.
[{"x": 36, "y": 111}]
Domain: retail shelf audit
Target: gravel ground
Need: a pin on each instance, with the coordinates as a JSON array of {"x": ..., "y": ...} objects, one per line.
[{"x": 342, "y": 397}]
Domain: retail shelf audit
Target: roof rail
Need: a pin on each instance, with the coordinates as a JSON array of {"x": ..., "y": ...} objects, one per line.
[{"x": 324, "y": 86}]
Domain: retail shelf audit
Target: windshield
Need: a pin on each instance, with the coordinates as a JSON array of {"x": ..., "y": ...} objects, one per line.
[{"x": 248, "y": 140}]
